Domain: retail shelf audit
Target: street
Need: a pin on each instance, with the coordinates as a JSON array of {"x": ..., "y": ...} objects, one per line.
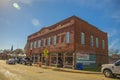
[{"x": 23, "y": 72}]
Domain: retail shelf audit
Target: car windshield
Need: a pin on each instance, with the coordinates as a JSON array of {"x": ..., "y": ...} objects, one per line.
[{"x": 117, "y": 61}]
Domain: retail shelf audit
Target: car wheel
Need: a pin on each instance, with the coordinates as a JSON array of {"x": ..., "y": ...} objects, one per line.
[
  {"x": 114, "y": 75},
  {"x": 108, "y": 73}
]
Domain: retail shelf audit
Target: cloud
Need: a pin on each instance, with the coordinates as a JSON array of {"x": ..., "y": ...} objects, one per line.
[
  {"x": 32, "y": 1},
  {"x": 114, "y": 44},
  {"x": 35, "y": 22},
  {"x": 116, "y": 16},
  {"x": 25, "y": 1},
  {"x": 15, "y": 5},
  {"x": 112, "y": 33}
]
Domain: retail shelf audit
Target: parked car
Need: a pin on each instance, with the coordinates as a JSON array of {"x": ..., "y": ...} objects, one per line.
[
  {"x": 11, "y": 61},
  {"x": 111, "y": 70},
  {"x": 26, "y": 61}
]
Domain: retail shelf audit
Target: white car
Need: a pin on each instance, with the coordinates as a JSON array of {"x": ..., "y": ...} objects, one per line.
[{"x": 111, "y": 70}]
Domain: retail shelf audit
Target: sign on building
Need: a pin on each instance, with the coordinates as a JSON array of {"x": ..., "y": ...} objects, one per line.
[{"x": 87, "y": 60}]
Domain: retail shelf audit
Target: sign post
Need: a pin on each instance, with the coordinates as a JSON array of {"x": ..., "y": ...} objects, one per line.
[{"x": 45, "y": 51}]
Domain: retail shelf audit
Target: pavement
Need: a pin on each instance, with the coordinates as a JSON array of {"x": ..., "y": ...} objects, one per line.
[{"x": 67, "y": 69}]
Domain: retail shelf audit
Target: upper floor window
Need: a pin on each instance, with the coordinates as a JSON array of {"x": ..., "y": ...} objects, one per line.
[
  {"x": 103, "y": 44},
  {"x": 97, "y": 43},
  {"x": 68, "y": 37},
  {"x": 35, "y": 44},
  {"x": 39, "y": 43},
  {"x": 91, "y": 40},
  {"x": 55, "y": 40},
  {"x": 44, "y": 42},
  {"x": 82, "y": 38},
  {"x": 31, "y": 45},
  {"x": 49, "y": 40}
]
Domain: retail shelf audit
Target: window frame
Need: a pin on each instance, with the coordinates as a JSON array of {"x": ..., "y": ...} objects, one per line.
[
  {"x": 68, "y": 37},
  {"x": 35, "y": 44},
  {"x": 82, "y": 38},
  {"x": 39, "y": 43},
  {"x": 55, "y": 40},
  {"x": 103, "y": 44},
  {"x": 49, "y": 41},
  {"x": 91, "y": 40},
  {"x": 97, "y": 42}
]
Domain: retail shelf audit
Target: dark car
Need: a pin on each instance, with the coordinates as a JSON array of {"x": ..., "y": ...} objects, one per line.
[
  {"x": 26, "y": 61},
  {"x": 11, "y": 61}
]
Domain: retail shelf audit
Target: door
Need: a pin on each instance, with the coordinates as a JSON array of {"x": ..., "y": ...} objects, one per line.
[{"x": 117, "y": 67}]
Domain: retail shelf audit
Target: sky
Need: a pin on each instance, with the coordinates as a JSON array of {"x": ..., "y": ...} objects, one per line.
[{"x": 20, "y": 18}]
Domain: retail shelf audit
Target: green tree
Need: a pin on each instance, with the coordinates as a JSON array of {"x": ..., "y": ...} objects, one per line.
[{"x": 18, "y": 51}]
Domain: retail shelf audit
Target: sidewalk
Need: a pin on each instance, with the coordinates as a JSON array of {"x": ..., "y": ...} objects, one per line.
[{"x": 68, "y": 70}]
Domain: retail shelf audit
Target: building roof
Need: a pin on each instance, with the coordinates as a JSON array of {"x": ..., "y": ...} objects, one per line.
[{"x": 59, "y": 23}]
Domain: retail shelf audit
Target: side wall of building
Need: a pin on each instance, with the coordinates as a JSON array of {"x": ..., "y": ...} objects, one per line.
[{"x": 101, "y": 54}]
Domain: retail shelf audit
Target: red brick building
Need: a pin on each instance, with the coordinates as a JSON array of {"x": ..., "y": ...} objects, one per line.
[{"x": 69, "y": 42}]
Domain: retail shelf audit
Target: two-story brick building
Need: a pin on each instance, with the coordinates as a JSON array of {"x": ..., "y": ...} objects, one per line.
[{"x": 69, "y": 42}]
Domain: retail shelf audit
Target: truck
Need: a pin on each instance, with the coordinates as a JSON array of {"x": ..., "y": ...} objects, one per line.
[{"x": 111, "y": 70}]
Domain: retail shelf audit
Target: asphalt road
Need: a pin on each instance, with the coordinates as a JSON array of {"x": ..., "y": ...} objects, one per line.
[{"x": 23, "y": 72}]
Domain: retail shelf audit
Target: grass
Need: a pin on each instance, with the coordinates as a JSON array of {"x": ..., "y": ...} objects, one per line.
[{"x": 93, "y": 69}]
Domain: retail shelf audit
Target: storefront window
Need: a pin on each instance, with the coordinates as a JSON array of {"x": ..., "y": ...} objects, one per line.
[
  {"x": 68, "y": 59},
  {"x": 53, "y": 58},
  {"x": 43, "y": 59}
]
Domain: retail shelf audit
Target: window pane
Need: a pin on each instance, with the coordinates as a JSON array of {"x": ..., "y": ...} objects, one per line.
[
  {"x": 97, "y": 44},
  {"x": 91, "y": 41},
  {"x": 31, "y": 44},
  {"x": 39, "y": 43},
  {"x": 44, "y": 42},
  {"x": 49, "y": 41},
  {"x": 35, "y": 44},
  {"x": 68, "y": 37},
  {"x": 54, "y": 40},
  {"x": 103, "y": 44},
  {"x": 82, "y": 38}
]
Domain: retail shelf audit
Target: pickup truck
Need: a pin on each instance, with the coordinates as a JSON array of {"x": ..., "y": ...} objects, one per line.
[{"x": 111, "y": 70}]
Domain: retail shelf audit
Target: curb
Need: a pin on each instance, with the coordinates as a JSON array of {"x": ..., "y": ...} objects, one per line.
[
  {"x": 70, "y": 70},
  {"x": 76, "y": 71}
]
